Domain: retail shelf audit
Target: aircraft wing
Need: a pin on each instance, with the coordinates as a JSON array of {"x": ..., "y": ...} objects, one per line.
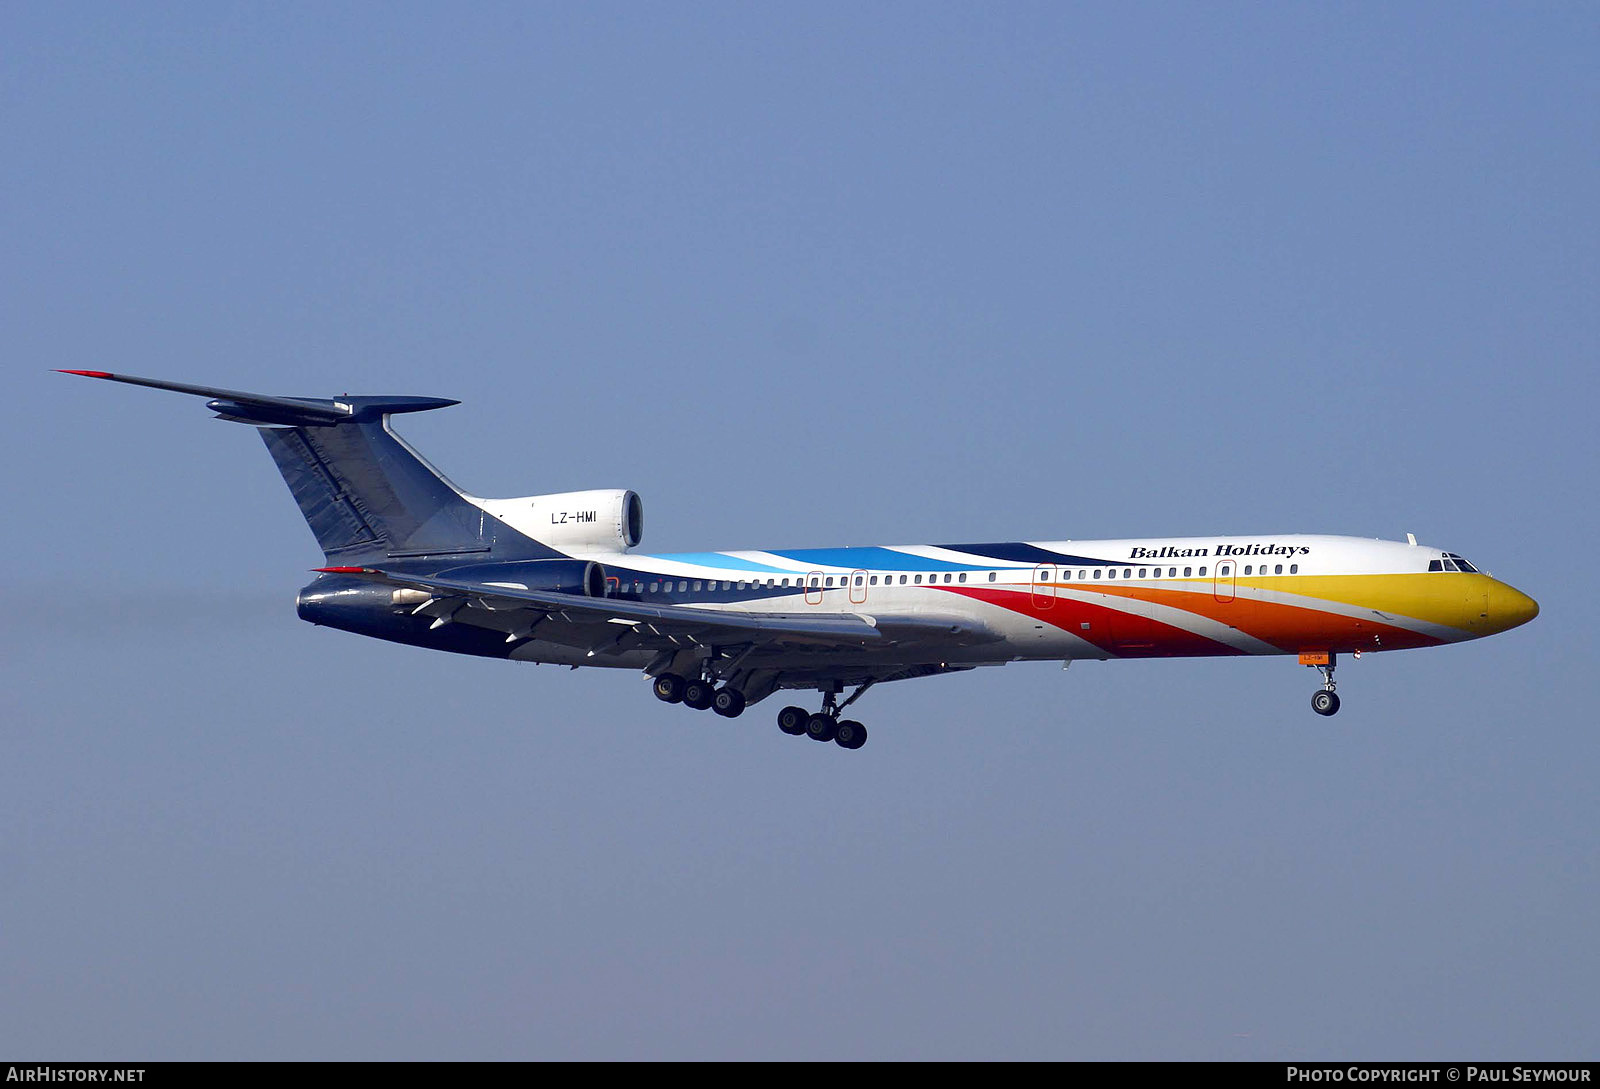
[{"x": 611, "y": 625}]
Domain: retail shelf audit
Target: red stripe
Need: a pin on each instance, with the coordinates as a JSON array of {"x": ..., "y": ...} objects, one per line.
[{"x": 1123, "y": 634}]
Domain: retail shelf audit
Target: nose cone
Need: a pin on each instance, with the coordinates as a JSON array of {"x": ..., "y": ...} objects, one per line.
[{"x": 1510, "y": 607}]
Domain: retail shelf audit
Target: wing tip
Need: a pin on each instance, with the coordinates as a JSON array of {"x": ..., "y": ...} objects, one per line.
[{"x": 89, "y": 374}]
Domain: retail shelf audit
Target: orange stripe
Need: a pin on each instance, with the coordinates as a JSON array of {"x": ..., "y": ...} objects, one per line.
[{"x": 1291, "y": 628}]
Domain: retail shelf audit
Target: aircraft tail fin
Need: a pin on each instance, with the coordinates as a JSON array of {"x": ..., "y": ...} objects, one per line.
[{"x": 364, "y": 492}]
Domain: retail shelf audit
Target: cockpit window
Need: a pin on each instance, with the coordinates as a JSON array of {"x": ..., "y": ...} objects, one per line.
[{"x": 1452, "y": 562}]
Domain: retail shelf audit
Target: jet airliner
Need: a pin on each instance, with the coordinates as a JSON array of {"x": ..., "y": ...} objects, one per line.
[{"x": 411, "y": 558}]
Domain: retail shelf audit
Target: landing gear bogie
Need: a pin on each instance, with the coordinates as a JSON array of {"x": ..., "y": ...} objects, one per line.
[
  {"x": 822, "y": 727},
  {"x": 728, "y": 702},
  {"x": 826, "y": 725},
  {"x": 850, "y": 734},
  {"x": 698, "y": 695},
  {"x": 669, "y": 688}
]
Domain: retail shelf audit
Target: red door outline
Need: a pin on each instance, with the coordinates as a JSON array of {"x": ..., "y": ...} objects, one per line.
[
  {"x": 1043, "y": 586},
  {"x": 1226, "y": 572}
]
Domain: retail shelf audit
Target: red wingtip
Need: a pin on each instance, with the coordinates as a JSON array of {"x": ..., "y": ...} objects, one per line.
[
  {"x": 341, "y": 570},
  {"x": 90, "y": 374}
]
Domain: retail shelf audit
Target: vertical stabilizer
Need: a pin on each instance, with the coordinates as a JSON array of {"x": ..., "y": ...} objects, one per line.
[{"x": 367, "y": 496}]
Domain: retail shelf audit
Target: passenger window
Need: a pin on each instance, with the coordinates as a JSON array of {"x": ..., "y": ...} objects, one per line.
[
  {"x": 1127, "y": 572},
  {"x": 1083, "y": 574},
  {"x": 1202, "y": 572},
  {"x": 1142, "y": 572},
  {"x": 1172, "y": 572},
  {"x": 829, "y": 580},
  {"x": 1188, "y": 571},
  {"x": 1097, "y": 571},
  {"x": 655, "y": 587},
  {"x": 963, "y": 577},
  {"x": 1294, "y": 569},
  {"x": 1247, "y": 569},
  {"x": 859, "y": 582},
  {"x": 1111, "y": 573},
  {"x": 947, "y": 576},
  {"x": 918, "y": 579},
  {"x": 991, "y": 576},
  {"x": 1278, "y": 570},
  {"x": 873, "y": 580}
]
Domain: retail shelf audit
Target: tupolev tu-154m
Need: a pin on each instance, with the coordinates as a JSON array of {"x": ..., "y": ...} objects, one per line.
[{"x": 412, "y": 558}]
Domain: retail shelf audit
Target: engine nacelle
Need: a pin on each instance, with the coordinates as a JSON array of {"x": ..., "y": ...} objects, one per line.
[
  {"x": 582, "y": 577},
  {"x": 596, "y": 521}
]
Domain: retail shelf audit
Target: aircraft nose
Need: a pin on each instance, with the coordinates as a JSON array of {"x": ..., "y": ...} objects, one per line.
[{"x": 1510, "y": 607}]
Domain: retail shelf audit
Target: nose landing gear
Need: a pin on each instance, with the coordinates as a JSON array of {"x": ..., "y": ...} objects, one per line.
[{"x": 1326, "y": 701}]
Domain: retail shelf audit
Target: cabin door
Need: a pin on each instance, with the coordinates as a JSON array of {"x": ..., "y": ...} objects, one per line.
[
  {"x": 1044, "y": 586},
  {"x": 1226, "y": 572}
]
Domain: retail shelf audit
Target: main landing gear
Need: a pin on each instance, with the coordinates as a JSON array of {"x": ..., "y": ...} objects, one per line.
[
  {"x": 826, "y": 725},
  {"x": 1326, "y": 701},
  {"x": 699, "y": 694}
]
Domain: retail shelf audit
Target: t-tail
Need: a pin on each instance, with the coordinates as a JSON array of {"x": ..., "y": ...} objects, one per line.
[{"x": 369, "y": 498}]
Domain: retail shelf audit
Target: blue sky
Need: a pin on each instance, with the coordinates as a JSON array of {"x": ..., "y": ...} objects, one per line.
[{"x": 802, "y": 277}]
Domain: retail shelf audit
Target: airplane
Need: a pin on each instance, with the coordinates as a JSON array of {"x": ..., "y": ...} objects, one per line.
[{"x": 411, "y": 558}]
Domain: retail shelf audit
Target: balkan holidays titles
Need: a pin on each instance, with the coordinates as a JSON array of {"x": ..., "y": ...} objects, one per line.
[{"x": 1173, "y": 552}]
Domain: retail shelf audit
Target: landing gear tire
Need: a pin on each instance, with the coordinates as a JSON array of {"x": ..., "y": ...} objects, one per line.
[
  {"x": 822, "y": 727},
  {"x": 792, "y": 720},
  {"x": 1325, "y": 703},
  {"x": 728, "y": 702},
  {"x": 669, "y": 688},
  {"x": 698, "y": 695},
  {"x": 850, "y": 734}
]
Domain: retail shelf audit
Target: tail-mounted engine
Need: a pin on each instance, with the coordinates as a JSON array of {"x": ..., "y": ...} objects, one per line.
[
  {"x": 596, "y": 521},
  {"x": 582, "y": 577}
]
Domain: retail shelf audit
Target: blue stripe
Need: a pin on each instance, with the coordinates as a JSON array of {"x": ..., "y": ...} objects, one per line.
[
  {"x": 878, "y": 559},
  {"x": 722, "y": 561},
  {"x": 1017, "y": 552}
]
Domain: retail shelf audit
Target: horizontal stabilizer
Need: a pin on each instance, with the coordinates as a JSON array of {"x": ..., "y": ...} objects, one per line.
[{"x": 262, "y": 410}]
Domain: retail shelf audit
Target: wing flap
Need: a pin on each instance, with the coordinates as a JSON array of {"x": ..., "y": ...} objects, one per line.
[
  {"x": 508, "y": 609},
  {"x": 613, "y": 625}
]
